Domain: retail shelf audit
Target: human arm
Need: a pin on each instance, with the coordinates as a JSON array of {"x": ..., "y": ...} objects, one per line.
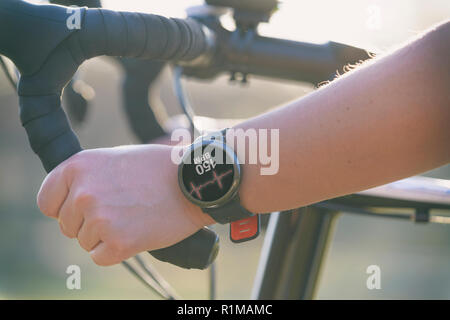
[{"x": 384, "y": 121}]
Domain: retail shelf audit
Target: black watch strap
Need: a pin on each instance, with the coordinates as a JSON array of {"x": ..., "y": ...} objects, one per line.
[
  {"x": 229, "y": 212},
  {"x": 232, "y": 210},
  {"x": 244, "y": 225}
]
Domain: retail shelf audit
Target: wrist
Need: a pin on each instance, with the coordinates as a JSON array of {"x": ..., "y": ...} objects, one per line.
[
  {"x": 206, "y": 185},
  {"x": 246, "y": 191},
  {"x": 249, "y": 175}
]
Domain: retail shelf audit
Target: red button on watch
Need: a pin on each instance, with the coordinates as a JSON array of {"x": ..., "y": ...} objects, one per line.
[{"x": 245, "y": 229}]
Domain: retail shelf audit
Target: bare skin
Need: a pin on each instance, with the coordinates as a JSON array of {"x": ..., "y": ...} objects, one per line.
[{"x": 387, "y": 120}]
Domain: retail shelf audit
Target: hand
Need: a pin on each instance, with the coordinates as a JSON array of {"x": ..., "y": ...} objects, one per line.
[{"x": 120, "y": 201}]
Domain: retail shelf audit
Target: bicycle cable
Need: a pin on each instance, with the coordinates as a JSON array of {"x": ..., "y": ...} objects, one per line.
[
  {"x": 151, "y": 271},
  {"x": 182, "y": 98},
  {"x": 150, "y": 281}
]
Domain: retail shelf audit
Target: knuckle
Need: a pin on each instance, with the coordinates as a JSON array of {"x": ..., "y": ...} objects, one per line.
[
  {"x": 84, "y": 199},
  {"x": 98, "y": 220},
  {"x": 73, "y": 165}
]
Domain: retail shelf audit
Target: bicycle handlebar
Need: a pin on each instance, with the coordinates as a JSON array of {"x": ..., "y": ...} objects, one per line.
[
  {"x": 103, "y": 32},
  {"x": 50, "y": 66},
  {"x": 139, "y": 35},
  {"x": 250, "y": 53}
]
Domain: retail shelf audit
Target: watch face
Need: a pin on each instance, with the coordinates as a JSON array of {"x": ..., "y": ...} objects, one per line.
[{"x": 208, "y": 172}]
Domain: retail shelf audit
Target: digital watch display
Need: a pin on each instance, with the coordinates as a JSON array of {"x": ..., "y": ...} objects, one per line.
[{"x": 209, "y": 174}]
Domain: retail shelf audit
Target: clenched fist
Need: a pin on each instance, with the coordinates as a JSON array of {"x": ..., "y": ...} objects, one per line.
[{"x": 120, "y": 201}]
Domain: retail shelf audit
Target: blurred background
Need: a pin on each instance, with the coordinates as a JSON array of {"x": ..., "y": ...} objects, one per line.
[{"x": 414, "y": 259}]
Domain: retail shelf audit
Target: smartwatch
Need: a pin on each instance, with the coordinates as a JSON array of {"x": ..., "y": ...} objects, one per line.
[{"x": 209, "y": 176}]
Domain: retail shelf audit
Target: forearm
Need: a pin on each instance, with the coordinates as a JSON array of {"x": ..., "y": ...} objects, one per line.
[{"x": 385, "y": 121}]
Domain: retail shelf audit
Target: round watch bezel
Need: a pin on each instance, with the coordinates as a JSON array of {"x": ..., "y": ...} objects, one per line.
[{"x": 231, "y": 193}]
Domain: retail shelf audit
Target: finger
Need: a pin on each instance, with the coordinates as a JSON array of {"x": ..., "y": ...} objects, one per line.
[
  {"x": 53, "y": 191},
  {"x": 88, "y": 236},
  {"x": 105, "y": 255},
  {"x": 70, "y": 216}
]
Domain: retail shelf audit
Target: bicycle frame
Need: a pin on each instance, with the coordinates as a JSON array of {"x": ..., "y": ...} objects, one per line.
[
  {"x": 294, "y": 248},
  {"x": 296, "y": 242}
]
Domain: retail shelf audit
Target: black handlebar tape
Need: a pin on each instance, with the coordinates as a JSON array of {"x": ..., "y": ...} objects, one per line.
[
  {"x": 102, "y": 32},
  {"x": 205, "y": 244},
  {"x": 48, "y": 129},
  {"x": 140, "y": 35},
  {"x": 29, "y": 33},
  {"x": 139, "y": 75}
]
